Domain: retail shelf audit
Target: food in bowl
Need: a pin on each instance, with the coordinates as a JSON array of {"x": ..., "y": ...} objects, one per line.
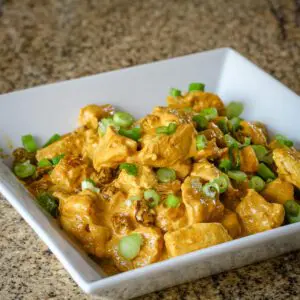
[{"x": 185, "y": 177}]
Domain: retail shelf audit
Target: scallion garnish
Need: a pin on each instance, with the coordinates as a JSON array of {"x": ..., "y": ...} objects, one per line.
[
  {"x": 234, "y": 109},
  {"x": 166, "y": 175},
  {"x": 172, "y": 201},
  {"x": 123, "y": 119},
  {"x": 201, "y": 142},
  {"x": 210, "y": 189},
  {"x": 152, "y": 197},
  {"x": 56, "y": 159},
  {"x": 265, "y": 172},
  {"x": 196, "y": 86},
  {"x": 48, "y": 203},
  {"x": 256, "y": 183},
  {"x": 209, "y": 113},
  {"x": 281, "y": 139},
  {"x": 201, "y": 122},
  {"x": 130, "y": 246},
  {"x": 55, "y": 137},
  {"x": 89, "y": 184},
  {"x": 134, "y": 133},
  {"x": 170, "y": 129},
  {"x": 24, "y": 169},
  {"x": 238, "y": 176},
  {"x": 44, "y": 163},
  {"x": 175, "y": 92},
  {"x": 225, "y": 165},
  {"x": 29, "y": 143},
  {"x": 131, "y": 169}
]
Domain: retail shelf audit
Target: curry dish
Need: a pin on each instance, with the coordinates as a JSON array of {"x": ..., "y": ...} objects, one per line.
[{"x": 187, "y": 176}]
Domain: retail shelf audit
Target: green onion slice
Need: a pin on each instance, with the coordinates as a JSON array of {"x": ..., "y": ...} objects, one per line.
[
  {"x": 166, "y": 175},
  {"x": 48, "y": 203},
  {"x": 201, "y": 122},
  {"x": 234, "y": 124},
  {"x": 170, "y": 129},
  {"x": 55, "y": 137},
  {"x": 222, "y": 124},
  {"x": 56, "y": 159},
  {"x": 225, "y": 165},
  {"x": 89, "y": 184},
  {"x": 29, "y": 143},
  {"x": 196, "y": 86},
  {"x": 131, "y": 169},
  {"x": 175, "y": 92},
  {"x": 201, "y": 142},
  {"x": 44, "y": 163},
  {"x": 230, "y": 141},
  {"x": 281, "y": 139},
  {"x": 130, "y": 246},
  {"x": 104, "y": 124},
  {"x": 134, "y": 133},
  {"x": 223, "y": 183},
  {"x": 210, "y": 189},
  {"x": 238, "y": 176},
  {"x": 234, "y": 109},
  {"x": 172, "y": 201},
  {"x": 209, "y": 113},
  {"x": 123, "y": 119},
  {"x": 265, "y": 172},
  {"x": 257, "y": 183},
  {"x": 24, "y": 169},
  {"x": 292, "y": 211},
  {"x": 260, "y": 151},
  {"x": 153, "y": 196}
]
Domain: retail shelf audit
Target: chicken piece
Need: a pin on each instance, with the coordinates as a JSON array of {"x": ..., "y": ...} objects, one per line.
[
  {"x": 122, "y": 224},
  {"x": 232, "y": 197},
  {"x": 170, "y": 219},
  {"x": 197, "y": 100},
  {"x": 112, "y": 150},
  {"x": 70, "y": 172},
  {"x": 172, "y": 187},
  {"x": 205, "y": 170},
  {"x": 103, "y": 176},
  {"x": 135, "y": 185},
  {"x": 257, "y": 214},
  {"x": 211, "y": 151},
  {"x": 144, "y": 214},
  {"x": 150, "y": 252},
  {"x": 195, "y": 237},
  {"x": 199, "y": 207},
  {"x": 252, "y": 130},
  {"x": 287, "y": 161},
  {"x": 249, "y": 161},
  {"x": 69, "y": 144},
  {"x": 182, "y": 168},
  {"x": 231, "y": 222},
  {"x": 218, "y": 134},
  {"x": 91, "y": 141},
  {"x": 90, "y": 115},
  {"x": 80, "y": 216},
  {"x": 278, "y": 191},
  {"x": 167, "y": 150}
]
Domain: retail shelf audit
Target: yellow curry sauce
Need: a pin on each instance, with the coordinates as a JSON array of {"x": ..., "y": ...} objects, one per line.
[{"x": 185, "y": 177}]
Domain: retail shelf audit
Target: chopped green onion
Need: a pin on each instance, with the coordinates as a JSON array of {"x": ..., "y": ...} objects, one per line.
[
  {"x": 134, "y": 133},
  {"x": 196, "y": 86},
  {"x": 201, "y": 122},
  {"x": 172, "y": 201},
  {"x": 166, "y": 175},
  {"x": 24, "y": 169},
  {"x": 29, "y": 143},
  {"x": 257, "y": 183},
  {"x": 175, "y": 92},
  {"x": 281, "y": 139},
  {"x": 55, "y": 137},
  {"x": 105, "y": 123},
  {"x": 153, "y": 196},
  {"x": 234, "y": 124},
  {"x": 44, "y": 163},
  {"x": 56, "y": 159},
  {"x": 234, "y": 109},
  {"x": 268, "y": 159},
  {"x": 48, "y": 203},
  {"x": 292, "y": 211},
  {"x": 123, "y": 119},
  {"x": 265, "y": 172},
  {"x": 130, "y": 246},
  {"x": 223, "y": 182},
  {"x": 225, "y": 165},
  {"x": 238, "y": 176},
  {"x": 230, "y": 141},
  {"x": 170, "y": 129},
  {"x": 209, "y": 113},
  {"x": 131, "y": 169},
  {"x": 260, "y": 151},
  {"x": 210, "y": 189},
  {"x": 201, "y": 142},
  {"x": 247, "y": 142},
  {"x": 222, "y": 124},
  {"x": 89, "y": 184}
]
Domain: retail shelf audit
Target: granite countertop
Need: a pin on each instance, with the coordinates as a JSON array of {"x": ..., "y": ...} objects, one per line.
[{"x": 48, "y": 41}]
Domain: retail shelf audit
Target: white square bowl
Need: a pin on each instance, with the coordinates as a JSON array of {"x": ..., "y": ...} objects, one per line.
[{"x": 45, "y": 110}]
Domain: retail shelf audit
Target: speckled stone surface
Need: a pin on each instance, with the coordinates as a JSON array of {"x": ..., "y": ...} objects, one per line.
[{"x": 50, "y": 40}]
